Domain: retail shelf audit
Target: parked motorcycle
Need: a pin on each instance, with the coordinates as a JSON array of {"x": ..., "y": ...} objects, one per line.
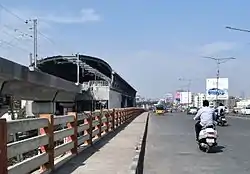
[{"x": 207, "y": 139}]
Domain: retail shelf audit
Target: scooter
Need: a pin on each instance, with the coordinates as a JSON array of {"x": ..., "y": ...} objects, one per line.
[
  {"x": 221, "y": 119},
  {"x": 207, "y": 138}
]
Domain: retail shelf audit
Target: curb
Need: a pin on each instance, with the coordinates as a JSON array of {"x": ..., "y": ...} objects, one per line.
[
  {"x": 239, "y": 117},
  {"x": 138, "y": 160}
]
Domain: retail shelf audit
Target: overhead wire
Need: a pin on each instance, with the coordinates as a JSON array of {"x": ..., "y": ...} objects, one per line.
[
  {"x": 27, "y": 22},
  {"x": 11, "y": 44}
]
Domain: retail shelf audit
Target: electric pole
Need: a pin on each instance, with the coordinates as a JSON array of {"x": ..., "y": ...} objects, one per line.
[
  {"x": 31, "y": 59},
  {"x": 218, "y": 62},
  {"x": 78, "y": 68},
  {"x": 34, "y": 28},
  {"x": 35, "y": 41}
]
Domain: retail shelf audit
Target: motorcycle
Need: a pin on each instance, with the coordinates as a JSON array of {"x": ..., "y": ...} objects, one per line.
[
  {"x": 207, "y": 138},
  {"x": 221, "y": 119}
]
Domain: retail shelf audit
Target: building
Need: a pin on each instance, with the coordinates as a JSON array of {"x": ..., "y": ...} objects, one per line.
[
  {"x": 198, "y": 99},
  {"x": 102, "y": 86},
  {"x": 243, "y": 103},
  {"x": 232, "y": 102}
]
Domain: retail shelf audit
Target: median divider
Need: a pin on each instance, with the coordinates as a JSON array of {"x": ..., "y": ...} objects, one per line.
[
  {"x": 59, "y": 139},
  {"x": 138, "y": 160}
]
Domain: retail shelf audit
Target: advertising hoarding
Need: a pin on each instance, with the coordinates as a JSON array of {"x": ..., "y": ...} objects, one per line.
[
  {"x": 185, "y": 97},
  {"x": 212, "y": 91},
  {"x": 177, "y": 96}
]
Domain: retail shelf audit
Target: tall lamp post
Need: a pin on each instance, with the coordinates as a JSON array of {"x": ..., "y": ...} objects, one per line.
[
  {"x": 188, "y": 86},
  {"x": 218, "y": 62}
]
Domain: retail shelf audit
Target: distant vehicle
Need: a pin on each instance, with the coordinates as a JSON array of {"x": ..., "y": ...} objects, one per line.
[
  {"x": 192, "y": 110},
  {"x": 169, "y": 110},
  {"x": 246, "y": 110},
  {"x": 159, "y": 109},
  {"x": 215, "y": 91}
]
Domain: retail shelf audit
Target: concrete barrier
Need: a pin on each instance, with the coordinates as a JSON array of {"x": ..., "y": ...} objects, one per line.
[{"x": 81, "y": 130}]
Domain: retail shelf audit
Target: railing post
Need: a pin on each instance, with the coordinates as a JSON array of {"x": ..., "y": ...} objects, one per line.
[
  {"x": 49, "y": 149},
  {"x": 116, "y": 118},
  {"x": 74, "y": 136},
  {"x": 107, "y": 115},
  {"x": 89, "y": 131},
  {"x": 99, "y": 126},
  {"x": 121, "y": 117},
  {"x": 125, "y": 115},
  {"x": 3, "y": 147},
  {"x": 113, "y": 119}
]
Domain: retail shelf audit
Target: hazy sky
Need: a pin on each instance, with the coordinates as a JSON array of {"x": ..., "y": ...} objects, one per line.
[{"x": 150, "y": 43}]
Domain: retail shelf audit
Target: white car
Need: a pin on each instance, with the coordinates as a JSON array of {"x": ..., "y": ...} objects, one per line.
[
  {"x": 193, "y": 110},
  {"x": 245, "y": 111}
]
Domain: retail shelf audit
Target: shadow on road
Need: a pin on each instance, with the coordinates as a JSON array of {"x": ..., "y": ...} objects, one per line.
[{"x": 218, "y": 149}]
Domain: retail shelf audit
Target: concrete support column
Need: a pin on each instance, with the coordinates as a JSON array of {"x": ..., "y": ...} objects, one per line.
[
  {"x": 126, "y": 102},
  {"x": 28, "y": 107},
  {"x": 134, "y": 101}
]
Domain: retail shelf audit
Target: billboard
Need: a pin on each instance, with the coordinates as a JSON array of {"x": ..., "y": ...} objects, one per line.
[
  {"x": 177, "y": 96},
  {"x": 185, "y": 97},
  {"x": 212, "y": 91}
]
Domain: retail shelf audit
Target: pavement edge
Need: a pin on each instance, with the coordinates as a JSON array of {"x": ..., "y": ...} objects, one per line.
[{"x": 138, "y": 160}]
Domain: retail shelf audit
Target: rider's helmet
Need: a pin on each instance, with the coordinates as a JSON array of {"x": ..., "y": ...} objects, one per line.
[
  {"x": 205, "y": 103},
  {"x": 221, "y": 104}
]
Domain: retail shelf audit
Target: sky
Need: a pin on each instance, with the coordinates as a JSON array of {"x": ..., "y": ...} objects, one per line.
[{"x": 151, "y": 44}]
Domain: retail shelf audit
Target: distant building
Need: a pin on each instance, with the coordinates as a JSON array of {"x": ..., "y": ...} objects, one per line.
[
  {"x": 198, "y": 99},
  {"x": 101, "y": 85},
  {"x": 242, "y": 103},
  {"x": 232, "y": 102}
]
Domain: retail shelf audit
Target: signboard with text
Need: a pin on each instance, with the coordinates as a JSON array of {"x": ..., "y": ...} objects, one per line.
[{"x": 212, "y": 91}]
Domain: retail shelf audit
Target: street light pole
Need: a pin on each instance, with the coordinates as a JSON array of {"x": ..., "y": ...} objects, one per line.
[{"x": 218, "y": 62}]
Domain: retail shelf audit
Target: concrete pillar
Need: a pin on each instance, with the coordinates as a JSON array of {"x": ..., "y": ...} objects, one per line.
[
  {"x": 126, "y": 102},
  {"x": 134, "y": 101},
  {"x": 28, "y": 107}
]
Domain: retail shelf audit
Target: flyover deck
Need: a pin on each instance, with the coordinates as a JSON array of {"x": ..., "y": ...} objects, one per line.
[
  {"x": 112, "y": 155},
  {"x": 171, "y": 147}
]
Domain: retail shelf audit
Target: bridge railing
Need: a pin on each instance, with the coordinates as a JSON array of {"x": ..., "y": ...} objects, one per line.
[{"x": 79, "y": 130}]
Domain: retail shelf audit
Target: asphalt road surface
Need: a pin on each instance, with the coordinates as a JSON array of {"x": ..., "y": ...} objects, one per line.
[{"x": 171, "y": 147}]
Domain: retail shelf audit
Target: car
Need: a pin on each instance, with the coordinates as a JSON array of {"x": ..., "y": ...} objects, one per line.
[
  {"x": 192, "y": 110},
  {"x": 160, "y": 109},
  {"x": 215, "y": 91}
]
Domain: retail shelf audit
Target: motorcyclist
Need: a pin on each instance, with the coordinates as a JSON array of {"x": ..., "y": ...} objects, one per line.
[
  {"x": 220, "y": 110},
  {"x": 205, "y": 116}
]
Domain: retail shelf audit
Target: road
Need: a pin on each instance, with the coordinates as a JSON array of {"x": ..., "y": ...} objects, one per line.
[{"x": 171, "y": 147}]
